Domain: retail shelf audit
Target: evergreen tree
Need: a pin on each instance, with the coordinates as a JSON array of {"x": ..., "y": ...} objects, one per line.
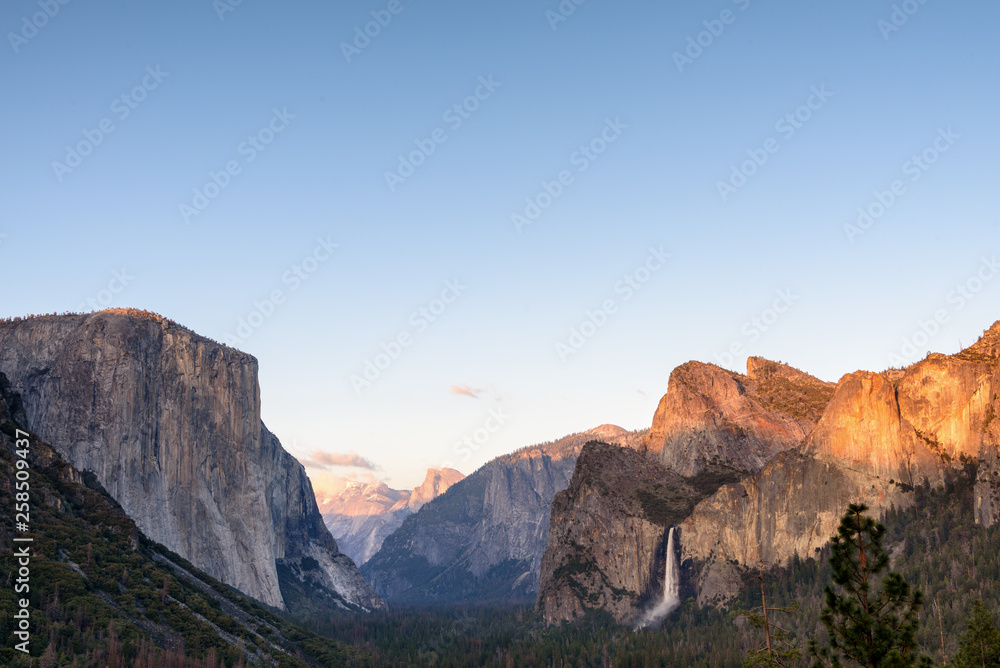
[
  {"x": 871, "y": 614},
  {"x": 775, "y": 650},
  {"x": 980, "y": 646}
]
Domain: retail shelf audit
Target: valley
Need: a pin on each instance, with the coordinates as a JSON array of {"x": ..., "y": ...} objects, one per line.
[{"x": 559, "y": 550}]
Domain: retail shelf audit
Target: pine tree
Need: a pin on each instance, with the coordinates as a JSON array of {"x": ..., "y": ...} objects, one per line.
[
  {"x": 776, "y": 649},
  {"x": 980, "y": 646},
  {"x": 871, "y": 613},
  {"x": 49, "y": 659}
]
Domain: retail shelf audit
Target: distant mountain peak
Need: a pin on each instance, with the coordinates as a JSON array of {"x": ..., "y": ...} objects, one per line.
[
  {"x": 364, "y": 513},
  {"x": 609, "y": 431}
]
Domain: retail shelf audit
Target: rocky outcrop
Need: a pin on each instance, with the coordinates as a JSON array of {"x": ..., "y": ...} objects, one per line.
[
  {"x": 483, "y": 539},
  {"x": 810, "y": 449},
  {"x": 713, "y": 416},
  {"x": 169, "y": 422},
  {"x": 607, "y": 541},
  {"x": 880, "y": 435},
  {"x": 712, "y": 427},
  {"x": 362, "y": 515}
]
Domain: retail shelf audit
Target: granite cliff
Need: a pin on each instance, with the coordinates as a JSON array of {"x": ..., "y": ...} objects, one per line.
[
  {"x": 804, "y": 450},
  {"x": 606, "y": 547},
  {"x": 881, "y": 434},
  {"x": 713, "y": 426},
  {"x": 105, "y": 595},
  {"x": 169, "y": 422}
]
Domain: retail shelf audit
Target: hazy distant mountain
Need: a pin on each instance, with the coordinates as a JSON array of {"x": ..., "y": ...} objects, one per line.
[{"x": 363, "y": 514}]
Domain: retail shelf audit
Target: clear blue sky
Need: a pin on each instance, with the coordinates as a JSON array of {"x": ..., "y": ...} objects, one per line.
[{"x": 670, "y": 131}]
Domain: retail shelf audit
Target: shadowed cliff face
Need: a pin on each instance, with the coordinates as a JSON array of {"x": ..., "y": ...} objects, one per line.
[
  {"x": 606, "y": 547},
  {"x": 170, "y": 424},
  {"x": 791, "y": 507},
  {"x": 714, "y": 426},
  {"x": 483, "y": 539},
  {"x": 711, "y": 415}
]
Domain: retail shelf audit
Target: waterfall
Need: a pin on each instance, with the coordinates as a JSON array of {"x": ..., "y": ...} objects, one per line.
[
  {"x": 671, "y": 586},
  {"x": 672, "y": 579}
]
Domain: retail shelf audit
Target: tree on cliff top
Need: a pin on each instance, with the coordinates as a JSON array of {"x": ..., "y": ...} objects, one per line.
[{"x": 870, "y": 613}]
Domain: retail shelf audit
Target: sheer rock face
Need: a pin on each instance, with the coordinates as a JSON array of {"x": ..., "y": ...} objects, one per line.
[
  {"x": 790, "y": 507},
  {"x": 483, "y": 539},
  {"x": 606, "y": 547},
  {"x": 608, "y": 529},
  {"x": 362, "y": 515},
  {"x": 170, "y": 424},
  {"x": 913, "y": 424},
  {"x": 711, "y": 415}
]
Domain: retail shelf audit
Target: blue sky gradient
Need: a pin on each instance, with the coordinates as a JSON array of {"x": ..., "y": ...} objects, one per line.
[{"x": 851, "y": 298}]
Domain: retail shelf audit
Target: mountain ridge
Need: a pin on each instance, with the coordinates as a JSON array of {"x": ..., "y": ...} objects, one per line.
[
  {"x": 806, "y": 448},
  {"x": 483, "y": 539}
]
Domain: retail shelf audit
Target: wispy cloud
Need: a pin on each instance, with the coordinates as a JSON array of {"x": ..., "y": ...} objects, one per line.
[
  {"x": 328, "y": 460},
  {"x": 467, "y": 390}
]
